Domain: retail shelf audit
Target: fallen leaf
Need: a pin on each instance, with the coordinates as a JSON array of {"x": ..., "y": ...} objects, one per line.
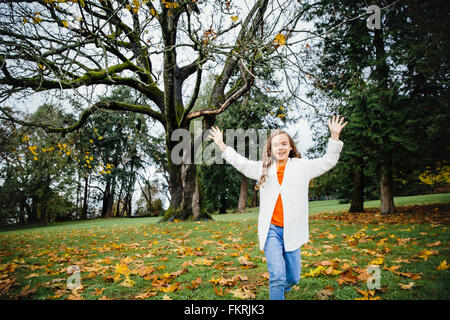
[
  {"x": 406, "y": 286},
  {"x": 324, "y": 294},
  {"x": 242, "y": 293}
]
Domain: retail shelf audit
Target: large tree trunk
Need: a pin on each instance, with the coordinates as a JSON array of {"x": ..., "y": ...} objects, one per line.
[
  {"x": 42, "y": 213},
  {"x": 357, "y": 204},
  {"x": 108, "y": 200},
  {"x": 242, "y": 204},
  {"x": 386, "y": 194},
  {"x": 85, "y": 199},
  {"x": 382, "y": 76},
  {"x": 186, "y": 198}
]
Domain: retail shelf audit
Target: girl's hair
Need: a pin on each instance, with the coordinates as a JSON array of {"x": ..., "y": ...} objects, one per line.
[{"x": 267, "y": 154}]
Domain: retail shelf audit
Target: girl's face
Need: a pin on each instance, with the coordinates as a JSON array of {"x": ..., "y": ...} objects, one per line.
[{"x": 280, "y": 147}]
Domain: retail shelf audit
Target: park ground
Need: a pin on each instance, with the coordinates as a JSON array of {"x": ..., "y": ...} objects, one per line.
[{"x": 123, "y": 258}]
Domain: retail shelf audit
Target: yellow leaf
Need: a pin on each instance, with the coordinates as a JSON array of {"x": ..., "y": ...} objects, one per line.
[
  {"x": 280, "y": 39},
  {"x": 425, "y": 253},
  {"x": 443, "y": 266},
  {"x": 41, "y": 66},
  {"x": 122, "y": 268},
  {"x": 377, "y": 261},
  {"x": 406, "y": 286},
  {"x": 65, "y": 23},
  {"x": 234, "y": 18},
  {"x": 36, "y": 20}
]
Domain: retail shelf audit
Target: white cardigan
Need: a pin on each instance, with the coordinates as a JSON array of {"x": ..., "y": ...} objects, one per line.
[{"x": 294, "y": 191}]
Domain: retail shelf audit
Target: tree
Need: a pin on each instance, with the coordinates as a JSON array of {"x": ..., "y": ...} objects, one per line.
[
  {"x": 378, "y": 78},
  {"x": 37, "y": 171},
  {"x": 58, "y": 47}
]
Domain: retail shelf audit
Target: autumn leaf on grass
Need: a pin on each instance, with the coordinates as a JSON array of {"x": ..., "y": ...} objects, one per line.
[
  {"x": 219, "y": 291},
  {"x": 26, "y": 291},
  {"x": 392, "y": 268},
  {"x": 325, "y": 293},
  {"x": 434, "y": 244},
  {"x": 203, "y": 261},
  {"x": 443, "y": 266},
  {"x": 171, "y": 288},
  {"x": 367, "y": 295},
  {"x": 406, "y": 286},
  {"x": 195, "y": 283},
  {"x": 127, "y": 282},
  {"x": 425, "y": 253},
  {"x": 409, "y": 275},
  {"x": 98, "y": 291},
  {"x": 145, "y": 271},
  {"x": 347, "y": 276},
  {"x": 242, "y": 293},
  {"x": 122, "y": 268},
  {"x": 146, "y": 295},
  {"x": 315, "y": 272},
  {"x": 377, "y": 261},
  {"x": 74, "y": 296},
  {"x": 245, "y": 264}
]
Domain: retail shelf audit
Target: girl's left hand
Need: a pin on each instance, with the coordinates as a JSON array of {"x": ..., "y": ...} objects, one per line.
[{"x": 336, "y": 126}]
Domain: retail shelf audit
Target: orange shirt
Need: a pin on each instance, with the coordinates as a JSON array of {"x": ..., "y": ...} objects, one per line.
[{"x": 277, "y": 216}]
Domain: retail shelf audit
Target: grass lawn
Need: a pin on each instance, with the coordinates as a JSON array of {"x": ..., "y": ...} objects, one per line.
[{"x": 122, "y": 258}]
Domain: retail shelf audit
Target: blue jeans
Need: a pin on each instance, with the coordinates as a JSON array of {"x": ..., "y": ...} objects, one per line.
[{"x": 284, "y": 267}]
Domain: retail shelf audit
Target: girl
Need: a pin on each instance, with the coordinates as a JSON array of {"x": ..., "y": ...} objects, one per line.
[{"x": 283, "y": 178}]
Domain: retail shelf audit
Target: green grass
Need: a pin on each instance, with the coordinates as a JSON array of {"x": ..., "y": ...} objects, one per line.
[{"x": 37, "y": 259}]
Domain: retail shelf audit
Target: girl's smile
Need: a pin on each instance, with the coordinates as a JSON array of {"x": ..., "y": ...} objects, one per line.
[{"x": 281, "y": 148}]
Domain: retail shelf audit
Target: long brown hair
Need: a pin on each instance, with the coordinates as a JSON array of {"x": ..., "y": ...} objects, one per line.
[{"x": 267, "y": 157}]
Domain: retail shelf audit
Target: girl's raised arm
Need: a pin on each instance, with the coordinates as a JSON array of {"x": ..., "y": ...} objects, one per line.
[
  {"x": 249, "y": 168},
  {"x": 317, "y": 167}
]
